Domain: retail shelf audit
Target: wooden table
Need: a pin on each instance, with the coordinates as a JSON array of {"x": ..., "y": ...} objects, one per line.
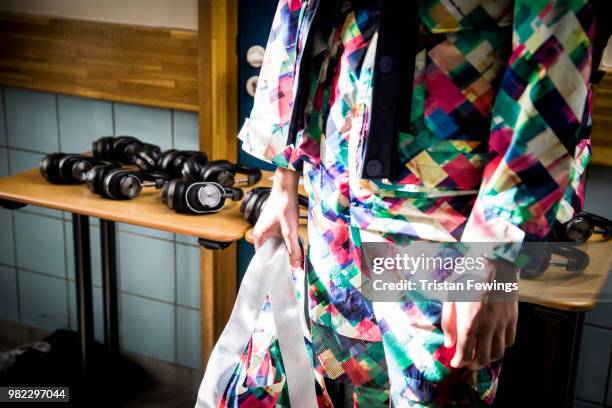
[
  {"x": 542, "y": 364},
  {"x": 215, "y": 232},
  {"x": 146, "y": 210}
]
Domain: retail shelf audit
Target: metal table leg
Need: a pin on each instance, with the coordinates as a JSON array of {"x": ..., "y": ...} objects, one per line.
[
  {"x": 575, "y": 324},
  {"x": 82, "y": 265},
  {"x": 109, "y": 286}
]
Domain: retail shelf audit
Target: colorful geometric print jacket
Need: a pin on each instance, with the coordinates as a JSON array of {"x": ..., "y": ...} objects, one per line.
[{"x": 506, "y": 120}]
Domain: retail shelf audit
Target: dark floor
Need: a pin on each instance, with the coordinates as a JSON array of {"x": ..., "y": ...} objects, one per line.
[{"x": 173, "y": 385}]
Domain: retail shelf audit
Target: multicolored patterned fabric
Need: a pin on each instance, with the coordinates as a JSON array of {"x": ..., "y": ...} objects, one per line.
[
  {"x": 500, "y": 122},
  {"x": 259, "y": 379}
]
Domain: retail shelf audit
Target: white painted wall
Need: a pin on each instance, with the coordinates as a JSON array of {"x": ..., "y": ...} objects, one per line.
[{"x": 157, "y": 13}]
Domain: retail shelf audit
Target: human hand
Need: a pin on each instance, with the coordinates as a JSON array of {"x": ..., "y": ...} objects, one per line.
[
  {"x": 280, "y": 216},
  {"x": 480, "y": 330}
]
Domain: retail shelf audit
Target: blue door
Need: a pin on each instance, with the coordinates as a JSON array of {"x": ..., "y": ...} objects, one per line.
[{"x": 254, "y": 22}]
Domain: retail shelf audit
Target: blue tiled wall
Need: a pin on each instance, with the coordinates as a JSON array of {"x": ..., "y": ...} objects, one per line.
[{"x": 158, "y": 271}]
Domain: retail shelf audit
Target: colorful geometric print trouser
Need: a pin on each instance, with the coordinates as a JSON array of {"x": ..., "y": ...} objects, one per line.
[
  {"x": 343, "y": 395},
  {"x": 407, "y": 365}
]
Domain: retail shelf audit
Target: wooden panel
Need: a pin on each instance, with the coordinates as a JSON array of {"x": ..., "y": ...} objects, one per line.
[
  {"x": 218, "y": 63},
  {"x": 602, "y": 122},
  {"x": 142, "y": 65},
  {"x": 218, "y": 76}
]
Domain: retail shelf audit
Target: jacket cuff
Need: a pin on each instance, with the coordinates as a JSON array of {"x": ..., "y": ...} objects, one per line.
[
  {"x": 261, "y": 140},
  {"x": 493, "y": 227}
]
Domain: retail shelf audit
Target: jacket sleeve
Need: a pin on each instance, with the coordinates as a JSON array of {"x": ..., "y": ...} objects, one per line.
[
  {"x": 537, "y": 121},
  {"x": 266, "y": 132},
  {"x": 573, "y": 198}
]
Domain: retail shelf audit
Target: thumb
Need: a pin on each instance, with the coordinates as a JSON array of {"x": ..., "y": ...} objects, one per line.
[
  {"x": 449, "y": 324},
  {"x": 260, "y": 238}
]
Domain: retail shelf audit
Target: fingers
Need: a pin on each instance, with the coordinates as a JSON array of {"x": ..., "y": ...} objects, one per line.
[
  {"x": 260, "y": 236},
  {"x": 465, "y": 348},
  {"x": 278, "y": 223},
  {"x": 295, "y": 253},
  {"x": 510, "y": 335},
  {"x": 259, "y": 239},
  {"x": 498, "y": 347},
  {"x": 491, "y": 346},
  {"x": 483, "y": 349},
  {"x": 483, "y": 331},
  {"x": 449, "y": 324},
  {"x": 261, "y": 232}
]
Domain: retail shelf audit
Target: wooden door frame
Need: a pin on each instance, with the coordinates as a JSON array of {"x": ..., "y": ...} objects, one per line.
[{"x": 218, "y": 122}]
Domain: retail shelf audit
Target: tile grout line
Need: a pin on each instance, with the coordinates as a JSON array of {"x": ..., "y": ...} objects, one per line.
[
  {"x": 17, "y": 283},
  {"x": 172, "y": 128},
  {"x": 52, "y": 217},
  {"x": 133, "y": 294},
  {"x": 608, "y": 384},
  {"x": 59, "y": 144},
  {"x": 43, "y": 274},
  {"x": 175, "y": 270},
  {"x": 598, "y": 404},
  {"x": 4, "y": 115},
  {"x": 66, "y": 273},
  {"x": 176, "y": 242},
  {"x": 176, "y": 334},
  {"x": 57, "y": 122},
  {"x": 172, "y": 146},
  {"x": 113, "y": 118},
  {"x": 24, "y": 150},
  {"x": 598, "y": 326},
  {"x": 168, "y": 240},
  {"x": 13, "y": 218},
  {"x": 118, "y": 276},
  {"x": 125, "y": 231}
]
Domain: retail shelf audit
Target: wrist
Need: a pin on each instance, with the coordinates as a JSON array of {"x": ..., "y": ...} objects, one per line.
[{"x": 285, "y": 182}]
